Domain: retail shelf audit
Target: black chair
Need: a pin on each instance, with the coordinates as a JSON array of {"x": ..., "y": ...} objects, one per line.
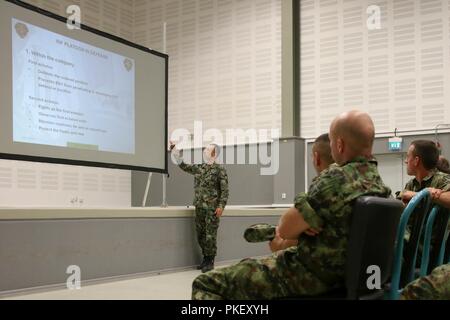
[
  {"x": 372, "y": 240},
  {"x": 373, "y": 230}
]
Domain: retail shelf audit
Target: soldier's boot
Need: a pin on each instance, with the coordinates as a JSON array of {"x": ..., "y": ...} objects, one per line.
[
  {"x": 209, "y": 264},
  {"x": 201, "y": 265}
]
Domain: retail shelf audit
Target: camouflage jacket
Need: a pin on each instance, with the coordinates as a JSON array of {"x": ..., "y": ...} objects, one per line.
[
  {"x": 328, "y": 205},
  {"x": 435, "y": 179},
  {"x": 435, "y": 286},
  {"x": 210, "y": 185}
]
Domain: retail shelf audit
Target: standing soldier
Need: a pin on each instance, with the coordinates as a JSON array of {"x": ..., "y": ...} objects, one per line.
[{"x": 210, "y": 199}]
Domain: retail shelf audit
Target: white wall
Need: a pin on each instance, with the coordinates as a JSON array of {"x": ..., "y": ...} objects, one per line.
[
  {"x": 400, "y": 74},
  {"x": 392, "y": 169},
  {"x": 28, "y": 184},
  {"x": 225, "y": 60}
]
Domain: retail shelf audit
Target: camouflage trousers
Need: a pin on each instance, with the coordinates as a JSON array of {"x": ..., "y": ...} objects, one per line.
[
  {"x": 435, "y": 286},
  {"x": 206, "y": 225},
  {"x": 263, "y": 278}
]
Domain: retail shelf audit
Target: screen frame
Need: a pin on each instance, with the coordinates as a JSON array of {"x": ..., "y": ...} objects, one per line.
[{"x": 9, "y": 156}]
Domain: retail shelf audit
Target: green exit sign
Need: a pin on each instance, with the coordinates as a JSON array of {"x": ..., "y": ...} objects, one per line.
[{"x": 395, "y": 144}]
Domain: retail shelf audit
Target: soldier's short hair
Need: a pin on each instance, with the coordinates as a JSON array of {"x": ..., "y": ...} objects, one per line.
[
  {"x": 427, "y": 151},
  {"x": 322, "y": 146}
]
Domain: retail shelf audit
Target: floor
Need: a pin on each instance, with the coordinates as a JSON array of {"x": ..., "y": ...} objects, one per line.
[{"x": 169, "y": 286}]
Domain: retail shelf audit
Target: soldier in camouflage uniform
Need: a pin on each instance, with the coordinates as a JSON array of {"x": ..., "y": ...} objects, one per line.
[
  {"x": 421, "y": 161},
  {"x": 321, "y": 159},
  {"x": 321, "y": 153},
  {"x": 316, "y": 264},
  {"x": 210, "y": 199},
  {"x": 435, "y": 286}
]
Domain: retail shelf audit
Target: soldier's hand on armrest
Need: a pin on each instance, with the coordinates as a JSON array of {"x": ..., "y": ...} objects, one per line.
[
  {"x": 435, "y": 193},
  {"x": 407, "y": 196}
]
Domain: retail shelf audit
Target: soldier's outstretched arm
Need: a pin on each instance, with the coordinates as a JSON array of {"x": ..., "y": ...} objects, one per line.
[{"x": 189, "y": 168}]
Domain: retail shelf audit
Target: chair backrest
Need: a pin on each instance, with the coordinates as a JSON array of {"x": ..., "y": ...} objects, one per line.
[
  {"x": 411, "y": 253},
  {"x": 405, "y": 260},
  {"x": 371, "y": 243},
  {"x": 434, "y": 240},
  {"x": 444, "y": 256},
  {"x": 439, "y": 238}
]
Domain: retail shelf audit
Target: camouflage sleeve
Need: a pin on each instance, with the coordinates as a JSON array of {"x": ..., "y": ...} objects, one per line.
[
  {"x": 444, "y": 183},
  {"x": 309, "y": 214},
  {"x": 436, "y": 286},
  {"x": 324, "y": 194},
  {"x": 189, "y": 168},
  {"x": 223, "y": 181}
]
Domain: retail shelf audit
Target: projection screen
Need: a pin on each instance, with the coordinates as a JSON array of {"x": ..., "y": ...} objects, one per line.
[{"x": 80, "y": 97}]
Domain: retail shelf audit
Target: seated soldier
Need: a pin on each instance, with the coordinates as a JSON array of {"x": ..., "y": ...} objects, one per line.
[
  {"x": 421, "y": 161},
  {"x": 435, "y": 286},
  {"x": 321, "y": 152},
  {"x": 322, "y": 159},
  {"x": 316, "y": 264}
]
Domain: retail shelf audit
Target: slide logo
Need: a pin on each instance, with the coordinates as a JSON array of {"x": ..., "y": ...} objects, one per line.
[
  {"x": 128, "y": 64},
  {"x": 74, "y": 20},
  {"x": 21, "y": 29}
]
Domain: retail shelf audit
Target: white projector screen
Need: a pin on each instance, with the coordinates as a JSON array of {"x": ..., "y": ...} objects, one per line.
[{"x": 79, "y": 97}]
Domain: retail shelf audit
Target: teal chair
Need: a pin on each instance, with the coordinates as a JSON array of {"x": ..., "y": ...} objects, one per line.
[
  {"x": 441, "y": 235},
  {"x": 417, "y": 208},
  {"x": 444, "y": 254},
  {"x": 444, "y": 249}
]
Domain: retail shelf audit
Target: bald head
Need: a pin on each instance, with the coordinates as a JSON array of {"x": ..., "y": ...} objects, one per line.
[{"x": 351, "y": 134}]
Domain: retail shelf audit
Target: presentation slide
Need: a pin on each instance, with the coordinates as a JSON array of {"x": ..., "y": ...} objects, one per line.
[{"x": 67, "y": 93}]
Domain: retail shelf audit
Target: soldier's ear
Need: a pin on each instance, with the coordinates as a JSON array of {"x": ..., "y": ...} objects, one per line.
[
  {"x": 316, "y": 159},
  {"x": 340, "y": 145}
]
